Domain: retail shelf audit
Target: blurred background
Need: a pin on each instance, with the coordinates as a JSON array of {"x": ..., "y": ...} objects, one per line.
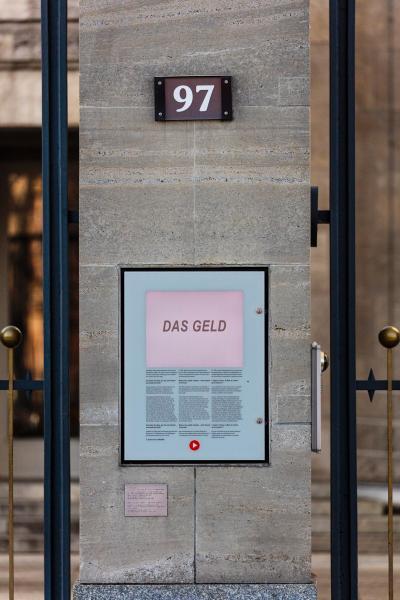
[{"x": 378, "y": 284}]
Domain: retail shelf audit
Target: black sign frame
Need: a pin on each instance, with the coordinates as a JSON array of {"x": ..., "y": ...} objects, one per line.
[
  {"x": 161, "y": 114},
  {"x": 267, "y": 437}
]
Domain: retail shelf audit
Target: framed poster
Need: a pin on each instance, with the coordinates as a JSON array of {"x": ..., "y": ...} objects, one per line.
[{"x": 194, "y": 369}]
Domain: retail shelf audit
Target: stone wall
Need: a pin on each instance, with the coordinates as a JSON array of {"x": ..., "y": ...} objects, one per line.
[{"x": 193, "y": 194}]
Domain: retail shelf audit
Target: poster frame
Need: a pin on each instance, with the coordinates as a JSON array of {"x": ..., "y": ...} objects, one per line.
[{"x": 129, "y": 462}]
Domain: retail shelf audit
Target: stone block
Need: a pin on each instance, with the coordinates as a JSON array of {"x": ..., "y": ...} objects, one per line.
[
  {"x": 289, "y": 319},
  {"x": 262, "y": 144},
  {"x": 99, "y": 309},
  {"x": 287, "y": 439},
  {"x": 125, "y": 145},
  {"x": 294, "y": 91},
  {"x": 195, "y": 592},
  {"x": 99, "y": 345},
  {"x": 294, "y": 409},
  {"x": 254, "y": 524},
  {"x": 257, "y": 44},
  {"x": 290, "y": 372},
  {"x": 290, "y": 301},
  {"x": 99, "y": 383},
  {"x": 251, "y": 223},
  {"x": 265, "y": 144},
  {"x": 119, "y": 549},
  {"x": 137, "y": 224}
]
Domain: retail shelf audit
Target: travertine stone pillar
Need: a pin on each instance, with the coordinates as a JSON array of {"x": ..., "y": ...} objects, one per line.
[{"x": 208, "y": 193}]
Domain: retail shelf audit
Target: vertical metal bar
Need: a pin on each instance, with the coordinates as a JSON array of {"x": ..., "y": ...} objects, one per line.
[
  {"x": 56, "y": 300},
  {"x": 342, "y": 258},
  {"x": 389, "y": 337},
  {"x": 10, "y": 353},
  {"x": 11, "y": 338},
  {"x": 390, "y": 469}
]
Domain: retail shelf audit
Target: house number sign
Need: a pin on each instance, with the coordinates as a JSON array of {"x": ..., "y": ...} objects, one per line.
[{"x": 193, "y": 98}]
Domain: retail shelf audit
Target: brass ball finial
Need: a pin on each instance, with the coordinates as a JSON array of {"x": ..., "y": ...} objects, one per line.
[
  {"x": 389, "y": 337},
  {"x": 10, "y": 336}
]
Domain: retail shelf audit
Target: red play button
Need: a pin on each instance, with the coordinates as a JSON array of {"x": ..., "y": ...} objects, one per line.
[{"x": 194, "y": 445}]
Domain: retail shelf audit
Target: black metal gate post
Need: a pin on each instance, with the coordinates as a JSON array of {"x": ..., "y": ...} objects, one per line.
[
  {"x": 56, "y": 300},
  {"x": 342, "y": 260}
]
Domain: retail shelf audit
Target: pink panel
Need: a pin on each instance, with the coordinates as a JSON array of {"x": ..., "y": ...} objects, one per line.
[{"x": 194, "y": 329}]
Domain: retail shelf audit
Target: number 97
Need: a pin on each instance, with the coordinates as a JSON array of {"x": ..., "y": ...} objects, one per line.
[{"x": 184, "y": 95}]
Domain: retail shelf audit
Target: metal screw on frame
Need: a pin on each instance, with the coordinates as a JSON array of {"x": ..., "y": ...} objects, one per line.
[
  {"x": 11, "y": 338},
  {"x": 389, "y": 338}
]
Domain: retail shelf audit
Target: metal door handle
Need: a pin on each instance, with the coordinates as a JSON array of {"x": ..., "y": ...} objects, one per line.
[{"x": 319, "y": 364}]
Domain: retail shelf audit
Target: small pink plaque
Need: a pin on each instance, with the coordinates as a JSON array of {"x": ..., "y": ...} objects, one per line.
[{"x": 146, "y": 500}]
